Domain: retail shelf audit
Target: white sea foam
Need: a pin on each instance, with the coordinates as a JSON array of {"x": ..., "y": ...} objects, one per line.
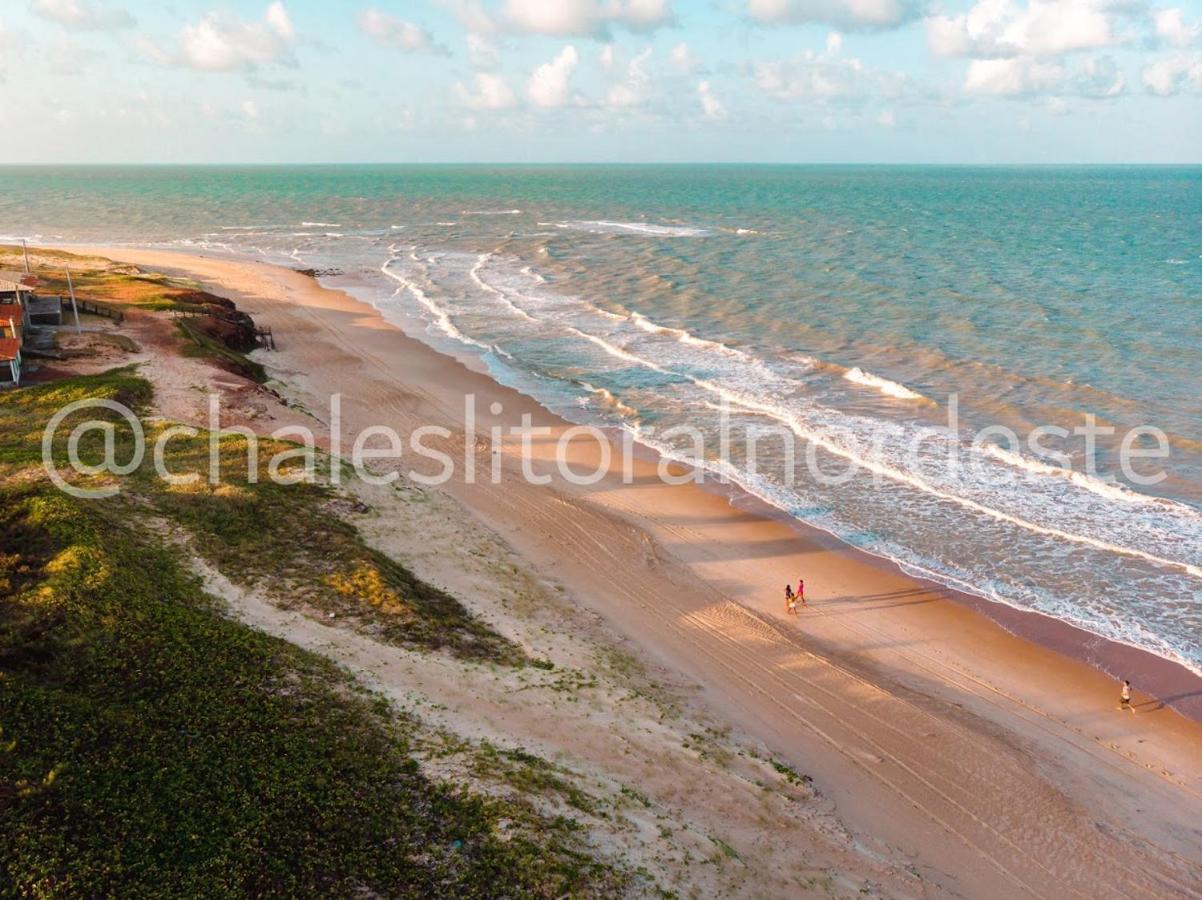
[
  {"x": 609, "y": 401},
  {"x": 474, "y": 274},
  {"x": 644, "y": 228},
  {"x": 530, "y": 273},
  {"x": 320, "y": 225},
  {"x": 442, "y": 318},
  {"x": 1109, "y": 490},
  {"x": 826, "y": 439},
  {"x": 491, "y": 212},
  {"x": 884, "y": 385}
]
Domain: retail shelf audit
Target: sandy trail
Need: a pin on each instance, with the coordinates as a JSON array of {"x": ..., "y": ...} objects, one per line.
[{"x": 1000, "y": 767}]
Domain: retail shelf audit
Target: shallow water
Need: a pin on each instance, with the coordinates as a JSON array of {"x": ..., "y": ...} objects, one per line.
[{"x": 844, "y": 307}]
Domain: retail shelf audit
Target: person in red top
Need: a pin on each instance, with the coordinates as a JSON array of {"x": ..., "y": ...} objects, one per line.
[{"x": 801, "y": 591}]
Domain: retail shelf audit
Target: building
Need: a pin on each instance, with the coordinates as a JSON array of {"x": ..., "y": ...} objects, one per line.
[
  {"x": 42, "y": 310},
  {"x": 10, "y": 362},
  {"x": 16, "y": 290},
  {"x": 16, "y": 293}
]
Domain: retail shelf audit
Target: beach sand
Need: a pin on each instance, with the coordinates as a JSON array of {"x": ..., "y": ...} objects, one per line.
[{"x": 992, "y": 758}]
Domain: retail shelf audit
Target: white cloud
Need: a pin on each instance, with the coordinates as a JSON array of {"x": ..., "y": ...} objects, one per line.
[
  {"x": 607, "y": 57},
  {"x": 1012, "y": 77},
  {"x": 482, "y": 51},
  {"x": 491, "y": 92},
  {"x": 851, "y": 14},
  {"x": 549, "y": 84},
  {"x": 474, "y": 17},
  {"x": 250, "y": 109},
  {"x": 683, "y": 58},
  {"x": 827, "y": 77},
  {"x": 711, "y": 107},
  {"x": 222, "y": 42},
  {"x": 82, "y": 15},
  {"x": 1172, "y": 29},
  {"x": 582, "y": 18},
  {"x": 277, "y": 20},
  {"x": 631, "y": 91},
  {"x": 1042, "y": 28},
  {"x": 887, "y": 119},
  {"x": 1100, "y": 78},
  {"x": 1172, "y": 75},
  {"x": 397, "y": 34}
]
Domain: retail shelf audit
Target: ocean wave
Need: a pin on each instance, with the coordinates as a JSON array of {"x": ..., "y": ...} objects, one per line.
[
  {"x": 825, "y": 439},
  {"x": 609, "y": 401},
  {"x": 683, "y": 336},
  {"x": 490, "y": 212},
  {"x": 474, "y": 274},
  {"x": 604, "y": 227},
  {"x": 530, "y": 273},
  {"x": 884, "y": 385},
  {"x": 1107, "y": 489},
  {"x": 442, "y": 318},
  {"x": 321, "y": 225},
  {"x": 1045, "y": 504}
]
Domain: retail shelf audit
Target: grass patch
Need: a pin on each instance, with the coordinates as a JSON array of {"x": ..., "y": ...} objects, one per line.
[
  {"x": 289, "y": 541},
  {"x": 790, "y": 774},
  {"x": 97, "y": 278},
  {"x": 529, "y": 775},
  {"x": 198, "y": 344},
  {"x": 151, "y": 746}
]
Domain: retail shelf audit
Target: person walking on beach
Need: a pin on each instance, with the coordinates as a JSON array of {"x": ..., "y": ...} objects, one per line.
[
  {"x": 789, "y": 601},
  {"x": 801, "y": 591},
  {"x": 1125, "y": 696}
]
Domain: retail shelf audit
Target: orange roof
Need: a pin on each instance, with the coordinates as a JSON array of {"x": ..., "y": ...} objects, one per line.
[{"x": 10, "y": 348}]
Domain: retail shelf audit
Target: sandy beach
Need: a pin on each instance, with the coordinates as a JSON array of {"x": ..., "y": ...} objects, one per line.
[{"x": 985, "y": 749}]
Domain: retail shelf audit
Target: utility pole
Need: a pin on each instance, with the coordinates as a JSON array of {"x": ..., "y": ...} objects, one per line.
[
  {"x": 25, "y": 247},
  {"x": 75, "y": 309}
]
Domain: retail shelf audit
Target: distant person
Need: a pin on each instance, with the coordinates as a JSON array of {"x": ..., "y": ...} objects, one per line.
[
  {"x": 1125, "y": 696},
  {"x": 801, "y": 591},
  {"x": 789, "y": 598}
]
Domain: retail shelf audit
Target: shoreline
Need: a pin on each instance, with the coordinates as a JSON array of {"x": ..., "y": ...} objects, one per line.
[
  {"x": 1166, "y": 680},
  {"x": 694, "y": 576}
]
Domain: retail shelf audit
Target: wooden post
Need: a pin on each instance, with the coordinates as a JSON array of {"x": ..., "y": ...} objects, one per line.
[
  {"x": 25, "y": 247},
  {"x": 71, "y": 288}
]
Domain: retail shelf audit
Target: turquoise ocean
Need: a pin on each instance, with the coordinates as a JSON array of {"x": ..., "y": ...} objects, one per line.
[{"x": 879, "y": 317}]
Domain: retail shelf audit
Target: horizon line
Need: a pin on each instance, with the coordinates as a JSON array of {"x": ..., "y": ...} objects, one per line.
[{"x": 546, "y": 163}]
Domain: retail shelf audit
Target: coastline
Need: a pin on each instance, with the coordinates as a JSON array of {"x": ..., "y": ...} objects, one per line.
[
  {"x": 1162, "y": 679},
  {"x": 695, "y": 579}
]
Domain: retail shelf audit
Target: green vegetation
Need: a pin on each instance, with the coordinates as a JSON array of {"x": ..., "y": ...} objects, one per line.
[
  {"x": 200, "y": 344},
  {"x": 102, "y": 279},
  {"x": 150, "y": 746},
  {"x": 790, "y": 774}
]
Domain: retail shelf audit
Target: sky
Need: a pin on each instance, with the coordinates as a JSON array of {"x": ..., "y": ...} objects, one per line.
[{"x": 804, "y": 81}]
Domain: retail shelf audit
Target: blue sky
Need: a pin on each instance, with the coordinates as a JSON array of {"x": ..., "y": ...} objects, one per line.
[{"x": 601, "y": 80}]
